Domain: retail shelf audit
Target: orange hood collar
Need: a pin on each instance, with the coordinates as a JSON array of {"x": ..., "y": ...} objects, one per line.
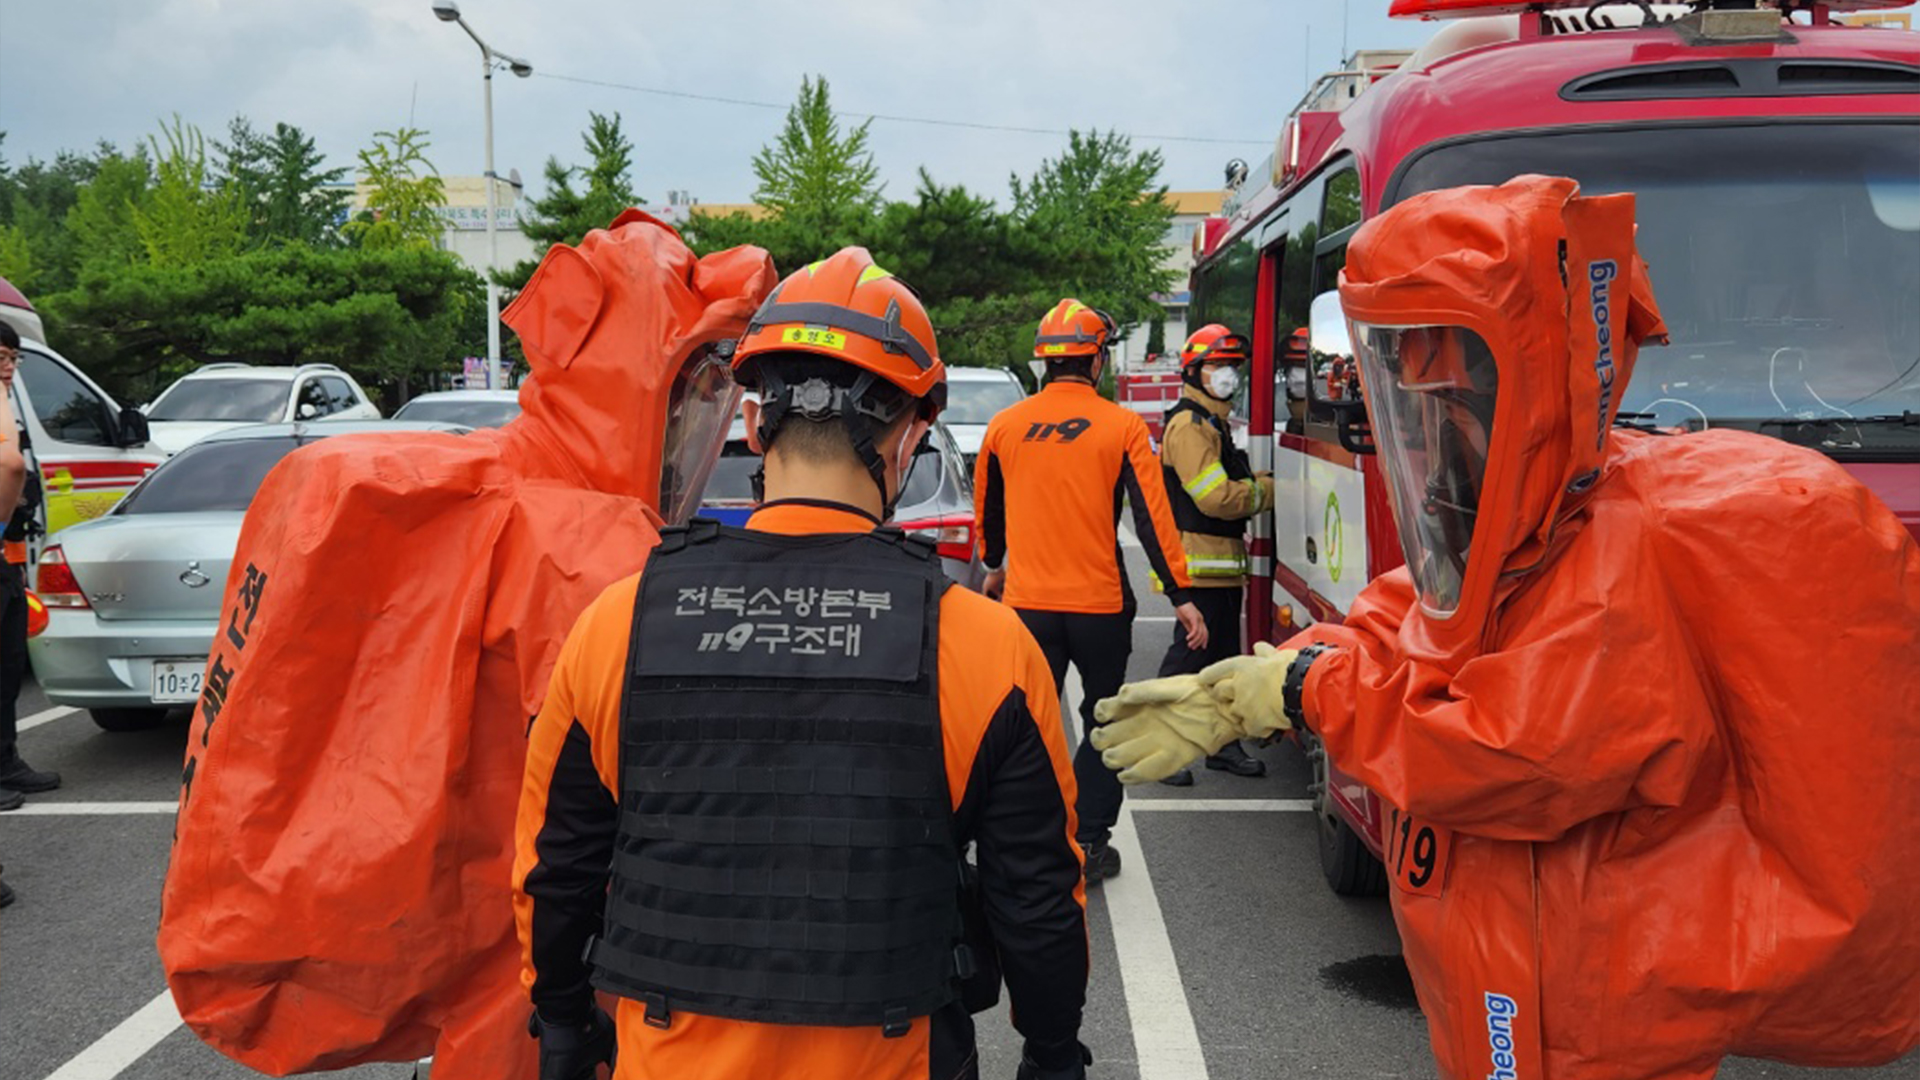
[
  {"x": 606, "y": 326},
  {"x": 1552, "y": 282}
]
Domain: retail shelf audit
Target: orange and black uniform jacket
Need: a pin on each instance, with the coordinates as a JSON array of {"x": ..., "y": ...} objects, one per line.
[
  {"x": 1013, "y": 795},
  {"x": 1048, "y": 486}
]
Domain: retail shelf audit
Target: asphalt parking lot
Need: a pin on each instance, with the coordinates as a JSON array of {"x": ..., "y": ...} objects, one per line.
[{"x": 1219, "y": 954}]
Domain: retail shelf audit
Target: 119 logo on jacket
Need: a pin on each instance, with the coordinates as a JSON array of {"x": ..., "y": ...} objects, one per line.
[
  {"x": 1065, "y": 431},
  {"x": 788, "y": 621}
]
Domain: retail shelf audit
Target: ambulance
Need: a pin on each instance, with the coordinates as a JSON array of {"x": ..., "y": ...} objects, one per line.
[
  {"x": 88, "y": 450},
  {"x": 1775, "y": 152}
]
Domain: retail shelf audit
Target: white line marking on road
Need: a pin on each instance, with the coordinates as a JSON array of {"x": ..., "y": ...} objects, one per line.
[
  {"x": 1128, "y": 539},
  {"x": 1155, "y": 618},
  {"x": 110, "y": 1055},
  {"x": 1070, "y": 709},
  {"x": 1291, "y": 806},
  {"x": 1164, "y": 1037},
  {"x": 93, "y": 809},
  {"x": 46, "y": 716}
]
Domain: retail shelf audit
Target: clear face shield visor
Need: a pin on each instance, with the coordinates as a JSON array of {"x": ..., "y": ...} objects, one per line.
[
  {"x": 1430, "y": 394},
  {"x": 700, "y": 409}
]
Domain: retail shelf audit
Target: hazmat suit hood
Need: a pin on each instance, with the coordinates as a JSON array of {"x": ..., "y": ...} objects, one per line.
[
  {"x": 339, "y": 890},
  {"x": 623, "y": 334},
  {"x": 1550, "y": 281}
]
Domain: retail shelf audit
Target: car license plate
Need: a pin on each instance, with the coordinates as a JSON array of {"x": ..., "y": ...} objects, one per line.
[
  {"x": 177, "y": 681},
  {"x": 1417, "y": 854}
]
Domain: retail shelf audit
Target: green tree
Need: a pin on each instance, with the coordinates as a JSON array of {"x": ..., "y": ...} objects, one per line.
[
  {"x": 565, "y": 214},
  {"x": 1097, "y": 216},
  {"x": 404, "y": 193},
  {"x": 386, "y": 314},
  {"x": 1157, "y": 336},
  {"x": 814, "y": 175},
  {"x": 35, "y": 200},
  {"x": 281, "y": 181},
  {"x": 184, "y": 220},
  {"x": 100, "y": 223}
]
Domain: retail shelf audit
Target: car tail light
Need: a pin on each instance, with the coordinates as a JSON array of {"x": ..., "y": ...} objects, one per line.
[
  {"x": 953, "y": 536},
  {"x": 57, "y": 586}
]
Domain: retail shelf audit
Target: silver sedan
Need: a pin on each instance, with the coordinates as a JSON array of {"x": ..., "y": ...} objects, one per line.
[{"x": 133, "y": 598}]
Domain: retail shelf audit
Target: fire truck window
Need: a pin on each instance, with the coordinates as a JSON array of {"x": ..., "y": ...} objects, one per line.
[
  {"x": 1785, "y": 263},
  {"x": 1343, "y": 202},
  {"x": 1227, "y": 289}
]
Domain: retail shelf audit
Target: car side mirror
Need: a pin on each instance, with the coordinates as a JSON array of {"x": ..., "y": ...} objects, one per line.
[
  {"x": 134, "y": 430},
  {"x": 1333, "y": 373},
  {"x": 306, "y": 411}
]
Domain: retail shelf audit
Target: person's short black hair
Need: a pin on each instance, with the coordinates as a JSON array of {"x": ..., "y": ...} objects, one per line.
[
  {"x": 1070, "y": 367},
  {"x": 820, "y": 441},
  {"x": 9, "y": 337}
]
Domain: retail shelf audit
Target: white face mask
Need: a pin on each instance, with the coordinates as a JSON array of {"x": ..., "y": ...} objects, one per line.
[{"x": 1223, "y": 381}]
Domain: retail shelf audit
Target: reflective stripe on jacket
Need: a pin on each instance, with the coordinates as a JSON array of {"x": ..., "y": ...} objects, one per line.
[{"x": 1190, "y": 449}]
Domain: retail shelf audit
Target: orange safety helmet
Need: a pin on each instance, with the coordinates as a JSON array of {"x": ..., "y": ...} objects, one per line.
[
  {"x": 1213, "y": 342},
  {"x": 847, "y": 308},
  {"x": 1073, "y": 329}
]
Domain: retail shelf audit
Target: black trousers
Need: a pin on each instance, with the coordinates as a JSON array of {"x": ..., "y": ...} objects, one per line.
[
  {"x": 1098, "y": 647},
  {"x": 1221, "y": 610},
  {"x": 13, "y": 655}
]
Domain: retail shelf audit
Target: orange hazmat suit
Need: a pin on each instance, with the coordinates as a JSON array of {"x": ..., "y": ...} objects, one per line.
[
  {"x": 1654, "y": 757},
  {"x": 340, "y": 885}
]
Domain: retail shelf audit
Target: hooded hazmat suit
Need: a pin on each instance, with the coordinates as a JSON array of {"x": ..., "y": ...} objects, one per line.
[
  {"x": 339, "y": 889},
  {"x": 1655, "y": 754}
]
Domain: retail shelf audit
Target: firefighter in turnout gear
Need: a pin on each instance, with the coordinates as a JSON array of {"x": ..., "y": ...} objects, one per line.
[
  {"x": 763, "y": 759},
  {"x": 1053, "y": 474},
  {"x": 1213, "y": 492}
]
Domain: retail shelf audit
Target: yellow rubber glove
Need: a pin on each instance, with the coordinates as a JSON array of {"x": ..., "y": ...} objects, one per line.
[
  {"x": 1248, "y": 689},
  {"x": 1153, "y": 729}
]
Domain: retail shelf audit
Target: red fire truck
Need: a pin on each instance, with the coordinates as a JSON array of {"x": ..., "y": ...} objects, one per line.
[{"x": 1776, "y": 157}]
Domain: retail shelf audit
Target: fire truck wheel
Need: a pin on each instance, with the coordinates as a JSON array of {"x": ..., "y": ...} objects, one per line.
[{"x": 1350, "y": 869}]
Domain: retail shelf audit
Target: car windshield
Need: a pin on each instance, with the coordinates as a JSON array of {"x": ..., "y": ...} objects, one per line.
[
  {"x": 209, "y": 476},
  {"x": 251, "y": 401},
  {"x": 1786, "y": 260},
  {"x": 732, "y": 479},
  {"x": 473, "y": 414},
  {"x": 970, "y": 402}
]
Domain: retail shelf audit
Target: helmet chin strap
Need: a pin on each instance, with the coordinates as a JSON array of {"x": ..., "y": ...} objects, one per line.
[{"x": 816, "y": 399}]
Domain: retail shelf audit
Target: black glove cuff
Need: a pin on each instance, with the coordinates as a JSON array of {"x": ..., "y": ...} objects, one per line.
[{"x": 1295, "y": 686}]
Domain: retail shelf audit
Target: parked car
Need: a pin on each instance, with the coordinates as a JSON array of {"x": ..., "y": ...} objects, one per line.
[
  {"x": 473, "y": 408},
  {"x": 936, "y": 502},
  {"x": 222, "y": 396},
  {"x": 89, "y": 451},
  {"x": 133, "y": 598},
  {"x": 974, "y": 396}
]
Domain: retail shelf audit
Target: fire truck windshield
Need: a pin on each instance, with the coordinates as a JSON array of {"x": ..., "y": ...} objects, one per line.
[{"x": 1786, "y": 258}]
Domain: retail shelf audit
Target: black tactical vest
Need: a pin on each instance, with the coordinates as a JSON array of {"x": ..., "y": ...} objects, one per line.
[
  {"x": 786, "y": 850},
  {"x": 1186, "y": 513}
]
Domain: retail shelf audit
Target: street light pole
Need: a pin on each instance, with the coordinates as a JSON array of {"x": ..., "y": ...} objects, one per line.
[
  {"x": 448, "y": 11},
  {"x": 493, "y": 239}
]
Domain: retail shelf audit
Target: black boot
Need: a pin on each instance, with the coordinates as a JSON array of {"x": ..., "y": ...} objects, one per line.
[
  {"x": 17, "y": 775},
  {"x": 11, "y": 800},
  {"x": 1102, "y": 861},
  {"x": 1183, "y": 778},
  {"x": 1233, "y": 758}
]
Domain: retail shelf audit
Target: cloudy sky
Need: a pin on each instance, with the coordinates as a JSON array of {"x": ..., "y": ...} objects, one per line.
[
  {"x": 82, "y": 70},
  {"x": 78, "y": 71}
]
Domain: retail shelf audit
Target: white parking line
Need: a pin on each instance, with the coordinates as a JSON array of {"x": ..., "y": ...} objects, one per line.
[
  {"x": 92, "y": 809},
  {"x": 110, "y": 1055},
  {"x": 1127, "y": 537},
  {"x": 1287, "y": 806},
  {"x": 1164, "y": 1037},
  {"x": 45, "y": 716}
]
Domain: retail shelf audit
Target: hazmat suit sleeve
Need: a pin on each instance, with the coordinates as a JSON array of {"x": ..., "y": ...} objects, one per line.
[
  {"x": 1524, "y": 743},
  {"x": 1192, "y": 450}
]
